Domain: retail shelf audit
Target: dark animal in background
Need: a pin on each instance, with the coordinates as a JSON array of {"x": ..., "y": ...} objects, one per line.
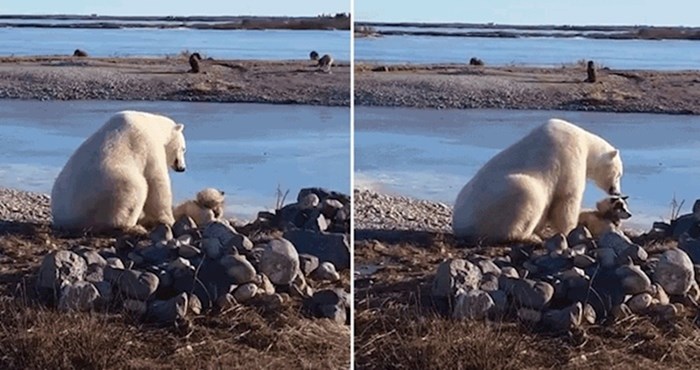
[
  {"x": 476, "y": 62},
  {"x": 80, "y": 53},
  {"x": 313, "y": 55},
  {"x": 325, "y": 62},
  {"x": 194, "y": 62},
  {"x": 590, "y": 69}
]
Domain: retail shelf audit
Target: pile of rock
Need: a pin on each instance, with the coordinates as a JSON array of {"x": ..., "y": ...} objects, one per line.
[
  {"x": 571, "y": 280},
  {"x": 191, "y": 269}
]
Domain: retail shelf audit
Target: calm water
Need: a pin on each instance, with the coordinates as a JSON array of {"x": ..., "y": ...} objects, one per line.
[
  {"x": 461, "y": 30},
  {"x": 431, "y": 154},
  {"x": 231, "y": 44},
  {"x": 541, "y": 51},
  {"x": 247, "y": 150}
]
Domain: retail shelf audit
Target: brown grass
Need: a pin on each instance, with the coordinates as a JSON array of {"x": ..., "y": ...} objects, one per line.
[
  {"x": 34, "y": 336},
  {"x": 398, "y": 326}
]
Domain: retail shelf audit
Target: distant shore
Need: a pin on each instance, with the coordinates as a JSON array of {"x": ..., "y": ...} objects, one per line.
[
  {"x": 340, "y": 21},
  {"x": 515, "y": 87},
  {"x": 517, "y": 31},
  {"x": 229, "y": 81}
]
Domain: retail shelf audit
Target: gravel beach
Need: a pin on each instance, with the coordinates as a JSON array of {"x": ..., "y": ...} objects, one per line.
[
  {"x": 77, "y": 78},
  {"x": 462, "y": 86}
]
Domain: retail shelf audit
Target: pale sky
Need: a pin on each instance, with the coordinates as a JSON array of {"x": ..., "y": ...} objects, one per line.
[
  {"x": 559, "y": 12},
  {"x": 176, "y": 7}
]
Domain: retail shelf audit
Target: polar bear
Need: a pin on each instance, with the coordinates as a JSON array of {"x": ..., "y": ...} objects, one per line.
[
  {"x": 607, "y": 216},
  {"x": 535, "y": 183},
  {"x": 208, "y": 206},
  {"x": 118, "y": 178}
]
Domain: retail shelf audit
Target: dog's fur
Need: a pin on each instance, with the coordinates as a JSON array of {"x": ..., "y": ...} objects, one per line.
[
  {"x": 607, "y": 216},
  {"x": 208, "y": 206}
]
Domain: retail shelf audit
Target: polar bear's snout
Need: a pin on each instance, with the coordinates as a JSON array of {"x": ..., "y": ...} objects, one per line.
[{"x": 179, "y": 166}]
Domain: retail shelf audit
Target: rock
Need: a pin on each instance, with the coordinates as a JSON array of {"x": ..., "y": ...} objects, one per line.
[
  {"x": 115, "y": 262},
  {"x": 180, "y": 267},
  {"x": 238, "y": 243},
  {"x": 659, "y": 294},
  {"x": 634, "y": 252},
  {"x": 335, "y": 296},
  {"x": 238, "y": 268},
  {"x": 135, "y": 307},
  {"x": 633, "y": 279},
  {"x": 589, "y": 314},
  {"x": 327, "y": 247},
  {"x": 583, "y": 261},
  {"x": 333, "y": 312},
  {"x": 664, "y": 311},
  {"x": 80, "y": 297},
  {"x": 330, "y": 207},
  {"x": 168, "y": 311},
  {"x": 500, "y": 300},
  {"x": 212, "y": 247},
  {"x": 606, "y": 257},
  {"x": 92, "y": 257},
  {"x": 473, "y": 304},
  {"x": 565, "y": 319},
  {"x": 165, "y": 279},
  {"x": 317, "y": 222},
  {"x": 621, "y": 311},
  {"x": 308, "y": 263},
  {"x": 323, "y": 194},
  {"x": 556, "y": 244},
  {"x": 550, "y": 265},
  {"x": 60, "y": 268},
  {"x": 300, "y": 288},
  {"x": 183, "y": 226},
  {"x": 487, "y": 266},
  {"x": 136, "y": 284},
  {"x": 690, "y": 246},
  {"x": 225, "y": 302},
  {"x": 685, "y": 224},
  {"x": 279, "y": 261},
  {"x": 194, "y": 305},
  {"x": 639, "y": 303},
  {"x": 579, "y": 235},
  {"x": 265, "y": 286},
  {"x": 489, "y": 282},
  {"x": 510, "y": 272},
  {"x": 245, "y": 292},
  {"x": 188, "y": 251},
  {"x": 529, "y": 315},
  {"x": 528, "y": 293},
  {"x": 453, "y": 275},
  {"x": 161, "y": 233},
  {"x": 155, "y": 254},
  {"x": 326, "y": 272},
  {"x": 105, "y": 290},
  {"x": 674, "y": 272},
  {"x": 309, "y": 201},
  {"x": 221, "y": 231}
]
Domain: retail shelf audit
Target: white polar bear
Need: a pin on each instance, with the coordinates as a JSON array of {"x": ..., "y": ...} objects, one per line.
[
  {"x": 118, "y": 177},
  {"x": 537, "y": 182}
]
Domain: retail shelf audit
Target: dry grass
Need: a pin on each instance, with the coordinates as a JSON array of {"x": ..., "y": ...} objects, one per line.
[
  {"x": 33, "y": 336},
  {"x": 398, "y": 326}
]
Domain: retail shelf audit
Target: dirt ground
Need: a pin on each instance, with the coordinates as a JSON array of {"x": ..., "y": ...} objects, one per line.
[
  {"x": 79, "y": 78},
  {"x": 33, "y": 336},
  {"x": 511, "y": 87},
  {"x": 398, "y": 326}
]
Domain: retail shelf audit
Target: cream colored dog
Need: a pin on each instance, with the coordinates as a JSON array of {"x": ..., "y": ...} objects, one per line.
[
  {"x": 607, "y": 216},
  {"x": 207, "y": 207}
]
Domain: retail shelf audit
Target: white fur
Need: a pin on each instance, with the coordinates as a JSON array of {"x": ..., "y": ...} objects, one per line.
[
  {"x": 119, "y": 176},
  {"x": 208, "y": 206},
  {"x": 537, "y": 182}
]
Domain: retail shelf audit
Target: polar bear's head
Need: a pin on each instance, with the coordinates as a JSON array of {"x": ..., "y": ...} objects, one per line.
[
  {"x": 607, "y": 172},
  {"x": 175, "y": 149}
]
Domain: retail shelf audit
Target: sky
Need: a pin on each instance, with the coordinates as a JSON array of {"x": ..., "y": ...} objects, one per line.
[
  {"x": 176, "y": 7},
  {"x": 558, "y": 12}
]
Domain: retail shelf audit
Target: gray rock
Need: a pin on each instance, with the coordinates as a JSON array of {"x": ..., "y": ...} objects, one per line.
[
  {"x": 659, "y": 294},
  {"x": 317, "y": 222},
  {"x": 194, "y": 305},
  {"x": 675, "y": 272},
  {"x": 94, "y": 273},
  {"x": 115, "y": 262},
  {"x": 336, "y": 296},
  {"x": 180, "y": 267},
  {"x": 245, "y": 292},
  {"x": 606, "y": 257},
  {"x": 136, "y": 284},
  {"x": 489, "y": 282},
  {"x": 92, "y": 257},
  {"x": 105, "y": 290},
  {"x": 453, "y": 275},
  {"x": 188, "y": 251},
  {"x": 279, "y": 261},
  {"x": 60, "y": 268},
  {"x": 300, "y": 288},
  {"x": 212, "y": 248},
  {"x": 168, "y": 311},
  {"x": 528, "y": 293},
  {"x": 183, "y": 226},
  {"x": 165, "y": 279},
  {"x": 161, "y": 233},
  {"x": 238, "y": 243},
  {"x": 473, "y": 304},
  {"x": 326, "y": 272},
  {"x": 616, "y": 240},
  {"x": 633, "y": 279},
  {"x": 510, "y": 272},
  {"x": 155, "y": 254},
  {"x": 307, "y": 263},
  {"x": 81, "y": 296},
  {"x": 330, "y": 207},
  {"x": 579, "y": 235},
  {"x": 135, "y": 307},
  {"x": 221, "y": 231},
  {"x": 529, "y": 315},
  {"x": 265, "y": 286},
  {"x": 690, "y": 246},
  {"x": 500, "y": 300},
  {"x": 634, "y": 252},
  {"x": 333, "y": 312},
  {"x": 583, "y": 261},
  {"x": 556, "y": 244},
  {"x": 225, "y": 302},
  {"x": 639, "y": 303},
  {"x": 328, "y": 247},
  {"x": 565, "y": 319},
  {"x": 487, "y": 266},
  {"x": 238, "y": 268},
  {"x": 687, "y": 223},
  {"x": 589, "y": 314},
  {"x": 309, "y": 201}
]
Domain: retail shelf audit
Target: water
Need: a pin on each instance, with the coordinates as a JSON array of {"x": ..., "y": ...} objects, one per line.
[
  {"x": 504, "y": 29},
  {"x": 534, "y": 51},
  {"x": 247, "y": 150},
  {"x": 431, "y": 154},
  {"x": 222, "y": 44}
]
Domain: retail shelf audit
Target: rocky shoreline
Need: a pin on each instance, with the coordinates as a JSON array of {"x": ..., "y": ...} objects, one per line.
[
  {"x": 225, "y": 81},
  {"x": 462, "y": 86}
]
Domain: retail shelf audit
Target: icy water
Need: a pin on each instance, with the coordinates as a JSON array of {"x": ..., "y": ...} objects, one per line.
[
  {"x": 533, "y": 51},
  {"x": 223, "y": 44},
  {"x": 247, "y": 150},
  {"x": 431, "y": 154}
]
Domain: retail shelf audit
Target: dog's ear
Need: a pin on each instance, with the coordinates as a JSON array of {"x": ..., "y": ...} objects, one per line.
[
  {"x": 624, "y": 197},
  {"x": 222, "y": 192}
]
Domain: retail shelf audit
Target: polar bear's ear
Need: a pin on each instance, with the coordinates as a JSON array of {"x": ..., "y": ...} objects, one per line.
[
  {"x": 179, "y": 127},
  {"x": 613, "y": 154}
]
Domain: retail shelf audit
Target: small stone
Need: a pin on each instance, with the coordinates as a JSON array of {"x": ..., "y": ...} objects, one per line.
[
  {"x": 309, "y": 201},
  {"x": 94, "y": 273},
  {"x": 212, "y": 247},
  {"x": 188, "y": 251},
  {"x": 330, "y": 207},
  {"x": 80, "y": 297},
  {"x": 489, "y": 282},
  {"x": 659, "y": 294},
  {"x": 135, "y": 307},
  {"x": 606, "y": 257},
  {"x": 639, "y": 303},
  {"x": 245, "y": 292},
  {"x": 183, "y": 226},
  {"x": 238, "y": 268},
  {"x": 264, "y": 284},
  {"x": 634, "y": 252},
  {"x": 510, "y": 271},
  {"x": 528, "y": 293},
  {"x": 453, "y": 275},
  {"x": 92, "y": 257},
  {"x": 529, "y": 315},
  {"x": 487, "y": 266},
  {"x": 60, "y": 268},
  {"x": 308, "y": 263},
  {"x": 168, "y": 311},
  {"x": 579, "y": 235},
  {"x": 583, "y": 261},
  {"x": 589, "y": 314},
  {"x": 565, "y": 319},
  {"x": 333, "y": 312},
  {"x": 326, "y": 272},
  {"x": 300, "y": 288},
  {"x": 675, "y": 272},
  {"x": 180, "y": 267},
  {"x": 238, "y": 243},
  {"x": 161, "y": 233},
  {"x": 279, "y": 261},
  {"x": 328, "y": 247},
  {"x": 473, "y": 304},
  {"x": 556, "y": 244},
  {"x": 633, "y": 279},
  {"x": 115, "y": 262},
  {"x": 136, "y": 284},
  {"x": 194, "y": 305}
]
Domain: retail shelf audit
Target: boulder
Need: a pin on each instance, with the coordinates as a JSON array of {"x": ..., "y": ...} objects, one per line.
[
  {"x": 279, "y": 261},
  {"x": 453, "y": 275},
  {"x": 472, "y": 304},
  {"x": 81, "y": 296},
  {"x": 675, "y": 272},
  {"x": 327, "y": 247},
  {"x": 60, "y": 268}
]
